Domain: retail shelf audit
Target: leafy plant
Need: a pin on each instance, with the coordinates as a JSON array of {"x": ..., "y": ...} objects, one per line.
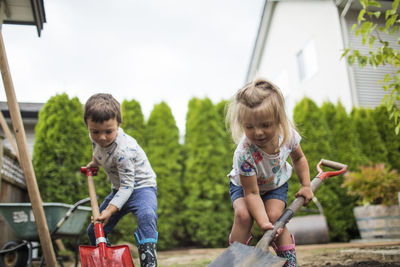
[
  {"x": 375, "y": 184},
  {"x": 381, "y": 52}
]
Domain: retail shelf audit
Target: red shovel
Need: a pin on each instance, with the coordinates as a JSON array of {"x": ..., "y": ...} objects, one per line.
[{"x": 101, "y": 254}]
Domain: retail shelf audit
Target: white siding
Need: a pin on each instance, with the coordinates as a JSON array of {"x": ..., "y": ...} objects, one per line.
[
  {"x": 29, "y": 128},
  {"x": 294, "y": 23},
  {"x": 368, "y": 92}
]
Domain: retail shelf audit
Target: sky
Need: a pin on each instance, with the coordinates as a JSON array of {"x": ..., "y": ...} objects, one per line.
[{"x": 150, "y": 51}]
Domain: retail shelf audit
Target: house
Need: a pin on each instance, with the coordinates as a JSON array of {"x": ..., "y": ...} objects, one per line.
[
  {"x": 29, "y": 114},
  {"x": 299, "y": 46}
]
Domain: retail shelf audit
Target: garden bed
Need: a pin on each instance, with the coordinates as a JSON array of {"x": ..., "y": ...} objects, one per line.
[{"x": 373, "y": 254}]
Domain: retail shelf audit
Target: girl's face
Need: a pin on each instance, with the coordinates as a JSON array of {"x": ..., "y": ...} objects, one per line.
[
  {"x": 103, "y": 133},
  {"x": 261, "y": 130}
]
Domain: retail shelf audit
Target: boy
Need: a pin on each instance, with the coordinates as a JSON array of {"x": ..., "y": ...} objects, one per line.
[{"x": 134, "y": 187}]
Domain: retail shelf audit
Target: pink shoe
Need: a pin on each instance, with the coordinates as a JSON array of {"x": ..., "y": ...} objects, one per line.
[{"x": 288, "y": 252}]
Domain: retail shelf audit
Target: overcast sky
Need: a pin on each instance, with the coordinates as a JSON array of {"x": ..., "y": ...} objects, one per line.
[{"x": 147, "y": 50}]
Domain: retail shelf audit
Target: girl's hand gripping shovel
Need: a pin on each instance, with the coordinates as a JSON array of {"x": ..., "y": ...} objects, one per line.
[
  {"x": 240, "y": 255},
  {"x": 101, "y": 254}
]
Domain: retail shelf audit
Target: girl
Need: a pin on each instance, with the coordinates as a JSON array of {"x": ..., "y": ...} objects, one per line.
[{"x": 258, "y": 181}]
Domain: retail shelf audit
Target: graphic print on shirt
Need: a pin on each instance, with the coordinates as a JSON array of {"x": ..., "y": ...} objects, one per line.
[
  {"x": 265, "y": 181},
  {"x": 257, "y": 157},
  {"x": 245, "y": 166}
]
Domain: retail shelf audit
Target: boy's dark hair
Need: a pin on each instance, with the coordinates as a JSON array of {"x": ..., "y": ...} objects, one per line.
[{"x": 102, "y": 107}]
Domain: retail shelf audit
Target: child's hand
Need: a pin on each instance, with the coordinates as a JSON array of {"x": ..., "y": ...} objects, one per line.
[
  {"x": 280, "y": 230},
  {"x": 92, "y": 164},
  {"x": 269, "y": 226},
  {"x": 307, "y": 193},
  {"x": 104, "y": 216},
  {"x": 266, "y": 226}
]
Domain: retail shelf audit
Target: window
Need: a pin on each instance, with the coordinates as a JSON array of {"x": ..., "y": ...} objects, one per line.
[{"x": 307, "y": 61}]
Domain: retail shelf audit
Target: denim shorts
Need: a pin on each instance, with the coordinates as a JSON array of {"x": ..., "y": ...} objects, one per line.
[{"x": 278, "y": 193}]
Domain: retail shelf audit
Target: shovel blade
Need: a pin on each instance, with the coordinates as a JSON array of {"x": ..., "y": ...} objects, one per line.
[
  {"x": 240, "y": 255},
  {"x": 115, "y": 256}
]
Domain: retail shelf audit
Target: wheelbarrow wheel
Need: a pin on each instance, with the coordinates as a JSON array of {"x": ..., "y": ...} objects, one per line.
[{"x": 16, "y": 258}]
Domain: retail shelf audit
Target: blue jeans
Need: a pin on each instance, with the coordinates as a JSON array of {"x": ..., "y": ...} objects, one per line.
[
  {"x": 278, "y": 193},
  {"x": 143, "y": 204}
]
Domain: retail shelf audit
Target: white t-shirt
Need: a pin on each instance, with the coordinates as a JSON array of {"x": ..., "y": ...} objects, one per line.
[
  {"x": 272, "y": 171},
  {"x": 126, "y": 165}
]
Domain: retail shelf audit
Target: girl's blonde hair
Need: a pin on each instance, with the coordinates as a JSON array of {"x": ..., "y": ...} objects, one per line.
[{"x": 258, "y": 96}]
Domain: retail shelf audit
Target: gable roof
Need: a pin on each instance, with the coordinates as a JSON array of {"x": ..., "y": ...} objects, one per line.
[
  {"x": 25, "y": 12},
  {"x": 28, "y": 110}
]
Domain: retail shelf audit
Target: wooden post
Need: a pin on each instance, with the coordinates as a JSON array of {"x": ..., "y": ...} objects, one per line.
[{"x": 25, "y": 161}]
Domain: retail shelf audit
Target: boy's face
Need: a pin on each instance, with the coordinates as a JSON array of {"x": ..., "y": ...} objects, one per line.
[{"x": 103, "y": 133}]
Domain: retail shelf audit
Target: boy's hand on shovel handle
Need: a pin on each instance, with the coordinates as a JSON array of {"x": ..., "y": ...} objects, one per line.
[{"x": 106, "y": 214}]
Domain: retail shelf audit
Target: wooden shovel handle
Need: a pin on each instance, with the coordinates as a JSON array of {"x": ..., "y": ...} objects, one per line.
[{"x": 92, "y": 191}]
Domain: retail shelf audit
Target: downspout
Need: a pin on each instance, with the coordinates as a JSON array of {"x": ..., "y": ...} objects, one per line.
[
  {"x": 260, "y": 40},
  {"x": 346, "y": 43}
]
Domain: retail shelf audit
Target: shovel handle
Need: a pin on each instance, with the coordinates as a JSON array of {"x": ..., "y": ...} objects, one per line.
[
  {"x": 339, "y": 167},
  {"x": 299, "y": 201},
  {"x": 92, "y": 191}
]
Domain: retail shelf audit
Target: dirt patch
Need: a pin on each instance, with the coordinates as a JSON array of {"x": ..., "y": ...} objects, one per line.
[
  {"x": 333, "y": 255},
  {"x": 374, "y": 254},
  {"x": 188, "y": 257}
]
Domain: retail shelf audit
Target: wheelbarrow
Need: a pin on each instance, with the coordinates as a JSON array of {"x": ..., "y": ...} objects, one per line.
[{"x": 63, "y": 220}]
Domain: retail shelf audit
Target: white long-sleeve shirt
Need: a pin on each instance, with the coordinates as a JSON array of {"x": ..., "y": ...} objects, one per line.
[{"x": 126, "y": 165}]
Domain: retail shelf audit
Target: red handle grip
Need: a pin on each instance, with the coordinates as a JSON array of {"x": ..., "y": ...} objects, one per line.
[
  {"x": 90, "y": 171},
  {"x": 341, "y": 168}
]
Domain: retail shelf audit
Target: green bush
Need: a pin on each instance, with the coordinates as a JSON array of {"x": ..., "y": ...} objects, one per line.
[
  {"x": 133, "y": 120},
  {"x": 346, "y": 148},
  {"x": 344, "y": 141},
  {"x": 229, "y": 145},
  {"x": 316, "y": 144},
  {"x": 207, "y": 210},
  {"x": 390, "y": 139},
  {"x": 61, "y": 147},
  {"x": 372, "y": 145},
  {"x": 164, "y": 153}
]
